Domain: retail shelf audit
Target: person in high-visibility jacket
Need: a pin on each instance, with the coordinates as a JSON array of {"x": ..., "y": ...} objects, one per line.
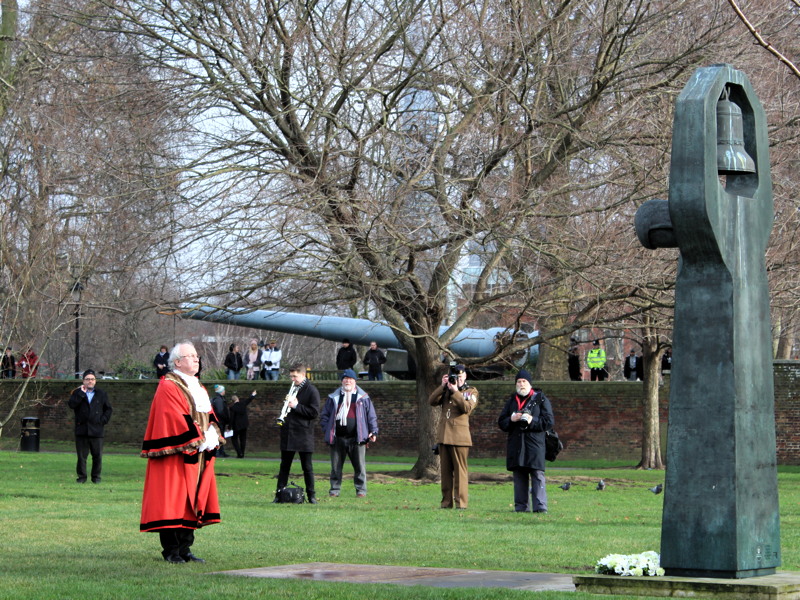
[{"x": 596, "y": 361}]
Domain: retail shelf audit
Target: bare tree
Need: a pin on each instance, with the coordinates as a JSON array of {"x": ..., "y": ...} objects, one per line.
[
  {"x": 84, "y": 200},
  {"x": 788, "y": 16},
  {"x": 358, "y": 153}
]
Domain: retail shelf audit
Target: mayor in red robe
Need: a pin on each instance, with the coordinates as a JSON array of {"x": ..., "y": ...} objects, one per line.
[{"x": 180, "y": 488}]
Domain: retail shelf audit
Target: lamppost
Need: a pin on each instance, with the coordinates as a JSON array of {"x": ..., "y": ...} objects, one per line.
[{"x": 77, "y": 288}]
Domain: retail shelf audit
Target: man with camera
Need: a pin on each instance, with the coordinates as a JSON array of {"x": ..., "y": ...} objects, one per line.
[
  {"x": 526, "y": 417},
  {"x": 457, "y": 400}
]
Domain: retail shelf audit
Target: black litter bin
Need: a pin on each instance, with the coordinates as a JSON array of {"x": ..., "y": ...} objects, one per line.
[{"x": 29, "y": 435}]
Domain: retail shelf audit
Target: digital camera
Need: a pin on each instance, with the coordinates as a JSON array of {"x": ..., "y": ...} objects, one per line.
[{"x": 452, "y": 376}]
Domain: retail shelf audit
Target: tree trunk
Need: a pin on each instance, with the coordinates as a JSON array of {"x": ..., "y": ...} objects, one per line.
[
  {"x": 785, "y": 345},
  {"x": 651, "y": 425},
  {"x": 428, "y": 368},
  {"x": 552, "y": 363}
]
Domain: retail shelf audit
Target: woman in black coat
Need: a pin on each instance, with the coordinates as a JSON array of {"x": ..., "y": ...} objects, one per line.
[
  {"x": 526, "y": 416},
  {"x": 239, "y": 422},
  {"x": 233, "y": 362}
]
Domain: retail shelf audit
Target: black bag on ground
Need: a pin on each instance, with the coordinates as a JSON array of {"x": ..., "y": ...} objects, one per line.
[
  {"x": 291, "y": 494},
  {"x": 552, "y": 445}
]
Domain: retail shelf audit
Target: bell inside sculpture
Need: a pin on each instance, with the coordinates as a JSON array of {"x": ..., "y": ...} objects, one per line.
[{"x": 731, "y": 155}]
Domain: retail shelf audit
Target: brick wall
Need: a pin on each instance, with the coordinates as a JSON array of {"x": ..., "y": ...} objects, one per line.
[
  {"x": 594, "y": 419},
  {"x": 787, "y": 411}
]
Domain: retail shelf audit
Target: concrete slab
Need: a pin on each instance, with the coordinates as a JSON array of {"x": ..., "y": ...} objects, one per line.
[
  {"x": 427, "y": 576},
  {"x": 780, "y": 586}
]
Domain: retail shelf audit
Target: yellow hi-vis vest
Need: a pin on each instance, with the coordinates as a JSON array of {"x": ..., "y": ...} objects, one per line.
[{"x": 596, "y": 359}]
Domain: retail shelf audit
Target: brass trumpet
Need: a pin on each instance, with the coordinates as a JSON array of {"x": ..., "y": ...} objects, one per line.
[{"x": 286, "y": 408}]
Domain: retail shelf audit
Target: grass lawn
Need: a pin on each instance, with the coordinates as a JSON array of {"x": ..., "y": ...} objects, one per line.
[{"x": 68, "y": 541}]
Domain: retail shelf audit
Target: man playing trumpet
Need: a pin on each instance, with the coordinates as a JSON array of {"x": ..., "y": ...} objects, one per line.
[
  {"x": 297, "y": 432},
  {"x": 287, "y": 403}
]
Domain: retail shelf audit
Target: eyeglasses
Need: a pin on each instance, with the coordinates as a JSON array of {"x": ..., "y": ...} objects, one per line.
[{"x": 90, "y": 379}]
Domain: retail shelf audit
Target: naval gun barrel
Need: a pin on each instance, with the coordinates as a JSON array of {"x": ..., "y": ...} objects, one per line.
[{"x": 470, "y": 343}]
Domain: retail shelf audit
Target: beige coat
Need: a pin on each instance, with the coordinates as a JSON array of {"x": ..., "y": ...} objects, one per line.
[{"x": 454, "y": 420}]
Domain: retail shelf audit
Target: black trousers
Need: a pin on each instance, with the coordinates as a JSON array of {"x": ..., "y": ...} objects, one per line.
[
  {"x": 176, "y": 541},
  {"x": 287, "y": 456},
  {"x": 598, "y": 374},
  {"x": 239, "y": 439},
  {"x": 85, "y": 445}
]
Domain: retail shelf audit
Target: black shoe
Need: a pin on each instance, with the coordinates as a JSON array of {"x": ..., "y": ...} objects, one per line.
[
  {"x": 192, "y": 558},
  {"x": 174, "y": 559},
  {"x": 312, "y": 499},
  {"x": 275, "y": 499},
  {"x": 95, "y": 480},
  {"x": 79, "y": 480}
]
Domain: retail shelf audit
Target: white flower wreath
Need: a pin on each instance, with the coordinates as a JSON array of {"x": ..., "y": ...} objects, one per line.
[{"x": 636, "y": 565}]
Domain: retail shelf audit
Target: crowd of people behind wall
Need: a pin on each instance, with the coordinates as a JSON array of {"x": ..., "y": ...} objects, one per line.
[
  {"x": 598, "y": 367},
  {"x": 262, "y": 360},
  {"x": 27, "y": 365}
]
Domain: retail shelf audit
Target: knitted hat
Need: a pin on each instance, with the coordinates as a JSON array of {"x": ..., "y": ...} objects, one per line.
[
  {"x": 219, "y": 388},
  {"x": 523, "y": 374},
  {"x": 349, "y": 373},
  {"x": 87, "y": 372}
]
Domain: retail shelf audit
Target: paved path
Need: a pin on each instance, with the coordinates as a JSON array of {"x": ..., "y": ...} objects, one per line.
[{"x": 432, "y": 577}]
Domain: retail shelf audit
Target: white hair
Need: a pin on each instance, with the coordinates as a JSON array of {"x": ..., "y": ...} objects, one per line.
[{"x": 175, "y": 353}]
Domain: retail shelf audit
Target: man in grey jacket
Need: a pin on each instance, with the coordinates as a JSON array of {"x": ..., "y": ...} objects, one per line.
[{"x": 348, "y": 421}]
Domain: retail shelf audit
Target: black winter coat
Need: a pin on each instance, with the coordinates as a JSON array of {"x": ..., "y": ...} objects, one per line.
[
  {"x": 297, "y": 432},
  {"x": 221, "y": 410},
  {"x": 346, "y": 358},
  {"x": 233, "y": 361},
  {"x": 238, "y": 414},
  {"x": 90, "y": 419},
  {"x": 161, "y": 359},
  {"x": 526, "y": 444}
]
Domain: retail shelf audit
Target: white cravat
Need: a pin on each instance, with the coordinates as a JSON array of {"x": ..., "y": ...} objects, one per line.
[
  {"x": 202, "y": 403},
  {"x": 344, "y": 408}
]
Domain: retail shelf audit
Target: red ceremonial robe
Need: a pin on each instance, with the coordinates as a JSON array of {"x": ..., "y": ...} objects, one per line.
[{"x": 180, "y": 489}]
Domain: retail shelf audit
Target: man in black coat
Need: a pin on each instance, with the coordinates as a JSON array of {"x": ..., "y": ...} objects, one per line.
[
  {"x": 92, "y": 413},
  {"x": 633, "y": 369},
  {"x": 221, "y": 411},
  {"x": 574, "y": 362},
  {"x": 297, "y": 431},
  {"x": 525, "y": 417},
  {"x": 8, "y": 366},
  {"x": 374, "y": 360},
  {"x": 346, "y": 356},
  {"x": 239, "y": 422}
]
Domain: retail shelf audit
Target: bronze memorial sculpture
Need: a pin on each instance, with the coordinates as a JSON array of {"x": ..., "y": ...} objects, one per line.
[{"x": 720, "y": 514}]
